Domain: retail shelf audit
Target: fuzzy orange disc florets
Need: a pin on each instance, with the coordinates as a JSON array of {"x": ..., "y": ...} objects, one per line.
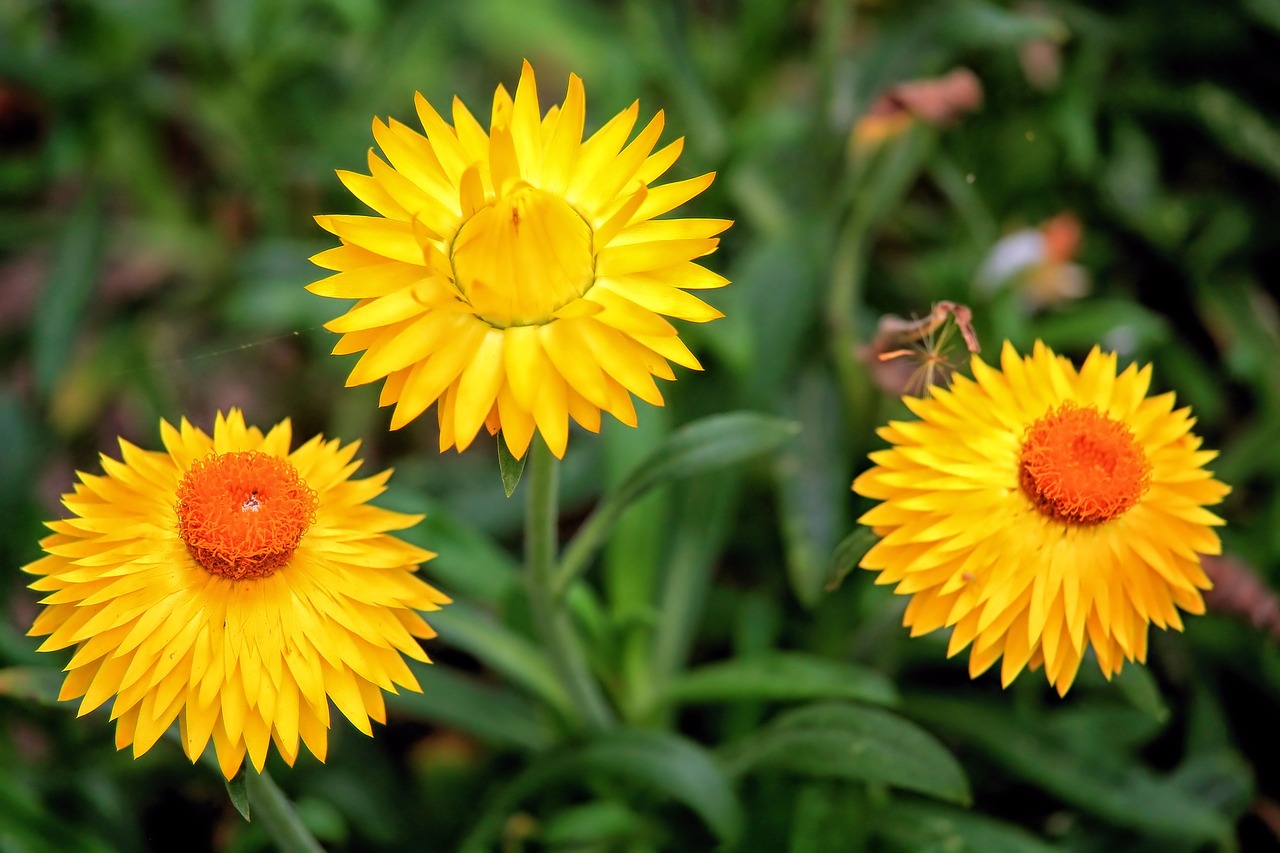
[
  {"x": 242, "y": 514},
  {"x": 1079, "y": 465}
]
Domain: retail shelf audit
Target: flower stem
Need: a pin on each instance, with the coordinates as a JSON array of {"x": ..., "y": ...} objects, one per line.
[
  {"x": 278, "y": 816},
  {"x": 554, "y": 624}
]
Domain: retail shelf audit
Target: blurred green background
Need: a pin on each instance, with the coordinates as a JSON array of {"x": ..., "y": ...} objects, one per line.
[{"x": 160, "y": 162}]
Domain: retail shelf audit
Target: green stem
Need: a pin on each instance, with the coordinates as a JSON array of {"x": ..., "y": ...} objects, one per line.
[
  {"x": 584, "y": 546},
  {"x": 554, "y": 624},
  {"x": 269, "y": 806}
]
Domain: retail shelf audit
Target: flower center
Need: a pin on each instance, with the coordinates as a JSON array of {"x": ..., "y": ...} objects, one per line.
[
  {"x": 1079, "y": 465},
  {"x": 242, "y": 514},
  {"x": 522, "y": 258}
]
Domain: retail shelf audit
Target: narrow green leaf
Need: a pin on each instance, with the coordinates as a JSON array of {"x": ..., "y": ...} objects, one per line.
[
  {"x": 906, "y": 825},
  {"x": 659, "y": 761},
  {"x": 842, "y": 741},
  {"x": 1085, "y": 324},
  {"x": 238, "y": 791},
  {"x": 781, "y": 676},
  {"x": 631, "y": 564},
  {"x": 704, "y": 511},
  {"x": 67, "y": 291},
  {"x": 705, "y": 445},
  {"x": 979, "y": 24},
  {"x": 34, "y": 683},
  {"x": 509, "y": 654},
  {"x": 830, "y": 815},
  {"x": 775, "y": 321},
  {"x": 812, "y": 484},
  {"x": 849, "y": 554},
  {"x": 1221, "y": 778},
  {"x": 1099, "y": 731},
  {"x": 882, "y": 180},
  {"x": 1105, "y": 784},
  {"x": 469, "y": 564},
  {"x": 1138, "y": 686},
  {"x": 491, "y": 712},
  {"x": 592, "y": 824},
  {"x": 509, "y": 466},
  {"x": 1239, "y": 128},
  {"x": 1265, "y": 11},
  {"x": 29, "y": 823}
]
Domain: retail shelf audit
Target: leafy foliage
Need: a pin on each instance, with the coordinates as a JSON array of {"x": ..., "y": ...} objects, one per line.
[{"x": 159, "y": 165}]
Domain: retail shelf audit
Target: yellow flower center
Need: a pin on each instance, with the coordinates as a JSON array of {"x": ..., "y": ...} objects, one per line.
[
  {"x": 242, "y": 514},
  {"x": 522, "y": 258},
  {"x": 1080, "y": 466}
]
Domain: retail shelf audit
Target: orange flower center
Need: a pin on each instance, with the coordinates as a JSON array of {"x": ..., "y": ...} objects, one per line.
[
  {"x": 1080, "y": 466},
  {"x": 242, "y": 514},
  {"x": 522, "y": 258}
]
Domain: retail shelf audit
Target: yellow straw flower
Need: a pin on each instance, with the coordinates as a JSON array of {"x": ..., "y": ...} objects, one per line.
[
  {"x": 1038, "y": 510},
  {"x": 518, "y": 277},
  {"x": 234, "y": 586}
]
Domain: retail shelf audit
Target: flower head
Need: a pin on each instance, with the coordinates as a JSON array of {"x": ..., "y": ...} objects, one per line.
[
  {"x": 518, "y": 277},
  {"x": 234, "y": 586},
  {"x": 1038, "y": 510}
]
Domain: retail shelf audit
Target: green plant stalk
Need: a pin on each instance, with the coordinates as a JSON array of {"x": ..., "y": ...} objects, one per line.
[
  {"x": 272, "y": 809},
  {"x": 584, "y": 546},
  {"x": 552, "y": 619}
]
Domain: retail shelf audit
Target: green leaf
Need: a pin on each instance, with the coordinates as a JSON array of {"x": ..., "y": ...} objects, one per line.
[
  {"x": 469, "y": 564},
  {"x": 883, "y": 179},
  {"x": 775, "y": 323},
  {"x": 1083, "y": 325},
  {"x": 704, "y": 511},
  {"x": 509, "y": 466},
  {"x": 238, "y": 791},
  {"x": 979, "y": 24},
  {"x": 1221, "y": 778},
  {"x": 1265, "y": 11},
  {"x": 934, "y": 828},
  {"x": 813, "y": 484},
  {"x": 1239, "y": 128},
  {"x": 34, "y": 683},
  {"x": 631, "y": 564},
  {"x": 1101, "y": 782},
  {"x": 506, "y": 652},
  {"x": 1100, "y": 731},
  {"x": 849, "y": 554},
  {"x": 705, "y": 445},
  {"x": 841, "y": 741},
  {"x": 1138, "y": 686},
  {"x": 671, "y": 765},
  {"x": 830, "y": 815},
  {"x": 591, "y": 824},
  {"x": 67, "y": 291},
  {"x": 490, "y": 712},
  {"x": 783, "y": 677},
  {"x": 659, "y": 761},
  {"x": 30, "y": 823}
]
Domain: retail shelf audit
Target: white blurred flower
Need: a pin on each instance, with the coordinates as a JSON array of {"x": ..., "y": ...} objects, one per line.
[{"x": 1037, "y": 263}]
